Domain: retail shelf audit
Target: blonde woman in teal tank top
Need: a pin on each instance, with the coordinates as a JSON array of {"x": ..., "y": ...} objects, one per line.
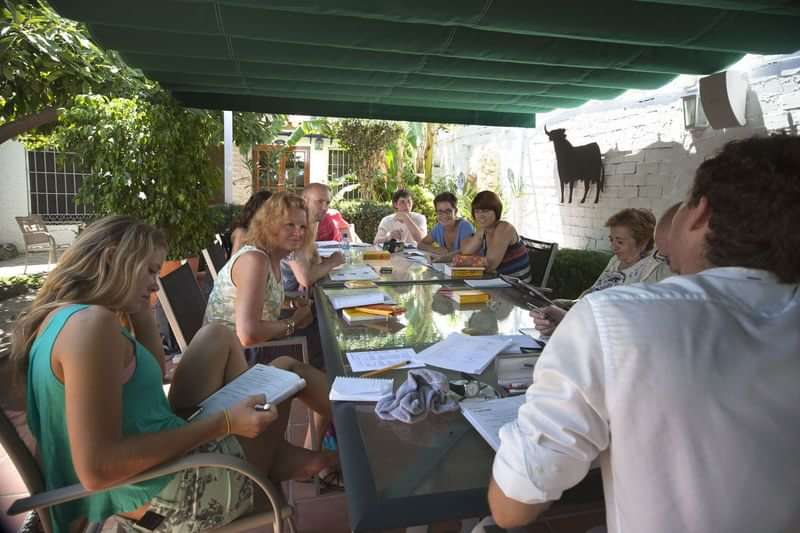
[{"x": 95, "y": 402}]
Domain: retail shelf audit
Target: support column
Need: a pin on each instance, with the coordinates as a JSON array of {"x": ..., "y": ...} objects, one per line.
[{"x": 227, "y": 127}]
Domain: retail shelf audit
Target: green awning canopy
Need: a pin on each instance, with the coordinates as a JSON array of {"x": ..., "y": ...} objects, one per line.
[{"x": 493, "y": 62}]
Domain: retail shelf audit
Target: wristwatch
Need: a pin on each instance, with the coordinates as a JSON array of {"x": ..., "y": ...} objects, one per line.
[{"x": 289, "y": 327}]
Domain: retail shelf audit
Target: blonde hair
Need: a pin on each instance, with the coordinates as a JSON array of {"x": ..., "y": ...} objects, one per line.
[
  {"x": 265, "y": 224},
  {"x": 99, "y": 268}
]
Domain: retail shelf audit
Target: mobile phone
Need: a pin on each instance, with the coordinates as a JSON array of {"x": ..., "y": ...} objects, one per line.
[
  {"x": 150, "y": 520},
  {"x": 386, "y": 270}
]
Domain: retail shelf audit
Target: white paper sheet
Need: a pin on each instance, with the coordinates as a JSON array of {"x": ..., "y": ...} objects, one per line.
[
  {"x": 377, "y": 359},
  {"x": 464, "y": 353},
  {"x": 487, "y": 417},
  {"x": 353, "y": 272},
  {"x": 342, "y": 298},
  {"x": 493, "y": 283},
  {"x": 349, "y": 389}
]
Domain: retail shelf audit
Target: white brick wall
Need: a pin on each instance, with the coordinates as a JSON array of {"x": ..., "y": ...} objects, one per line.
[{"x": 649, "y": 157}]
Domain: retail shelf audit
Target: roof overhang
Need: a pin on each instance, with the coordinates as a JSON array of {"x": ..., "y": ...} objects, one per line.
[{"x": 493, "y": 62}]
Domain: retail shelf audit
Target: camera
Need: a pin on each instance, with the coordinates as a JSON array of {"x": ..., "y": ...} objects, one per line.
[{"x": 392, "y": 246}]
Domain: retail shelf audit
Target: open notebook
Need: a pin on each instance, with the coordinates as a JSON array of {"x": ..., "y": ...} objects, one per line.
[
  {"x": 275, "y": 383},
  {"x": 487, "y": 417},
  {"x": 349, "y": 389}
]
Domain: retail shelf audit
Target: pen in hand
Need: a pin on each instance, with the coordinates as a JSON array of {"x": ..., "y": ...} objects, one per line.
[{"x": 262, "y": 407}]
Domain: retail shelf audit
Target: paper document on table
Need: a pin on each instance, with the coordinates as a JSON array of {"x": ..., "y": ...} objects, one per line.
[
  {"x": 493, "y": 283},
  {"x": 342, "y": 298},
  {"x": 487, "y": 417},
  {"x": 535, "y": 334},
  {"x": 327, "y": 244},
  {"x": 464, "y": 353},
  {"x": 351, "y": 272},
  {"x": 377, "y": 359},
  {"x": 519, "y": 343},
  {"x": 276, "y": 384},
  {"x": 349, "y": 389}
]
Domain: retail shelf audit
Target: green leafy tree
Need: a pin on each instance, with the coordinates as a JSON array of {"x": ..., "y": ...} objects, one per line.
[
  {"x": 45, "y": 61},
  {"x": 367, "y": 140},
  {"x": 122, "y": 143}
]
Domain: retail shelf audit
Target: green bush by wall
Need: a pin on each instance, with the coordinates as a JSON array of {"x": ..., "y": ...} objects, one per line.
[
  {"x": 574, "y": 271},
  {"x": 366, "y": 215},
  {"x": 423, "y": 203}
]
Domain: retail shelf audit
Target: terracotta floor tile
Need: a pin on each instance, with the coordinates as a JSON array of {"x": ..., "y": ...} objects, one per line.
[{"x": 9, "y": 523}]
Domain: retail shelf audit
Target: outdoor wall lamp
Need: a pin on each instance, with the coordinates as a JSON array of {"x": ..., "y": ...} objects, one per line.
[{"x": 318, "y": 143}]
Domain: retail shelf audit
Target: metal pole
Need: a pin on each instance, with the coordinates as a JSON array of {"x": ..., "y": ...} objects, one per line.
[{"x": 227, "y": 127}]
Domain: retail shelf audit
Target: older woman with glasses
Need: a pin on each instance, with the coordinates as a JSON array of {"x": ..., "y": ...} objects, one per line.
[{"x": 444, "y": 240}]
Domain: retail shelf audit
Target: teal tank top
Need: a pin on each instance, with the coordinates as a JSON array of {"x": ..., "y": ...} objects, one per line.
[{"x": 145, "y": 409}]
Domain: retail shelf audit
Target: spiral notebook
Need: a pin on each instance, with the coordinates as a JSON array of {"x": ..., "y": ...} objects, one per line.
[{"x": 351, "y": 389}]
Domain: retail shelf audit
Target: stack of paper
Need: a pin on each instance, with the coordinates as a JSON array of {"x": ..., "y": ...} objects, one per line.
[
  {"x": 464, "y": 353},
  {"x": 346, "y": 389},
  {"x": 377, "y": 359},
  {"x": 341, "y": 298},
  {"x": 515, "y": 371},
  {"x": 349, "y": 272},
  {"x": 489, "y": 416}
]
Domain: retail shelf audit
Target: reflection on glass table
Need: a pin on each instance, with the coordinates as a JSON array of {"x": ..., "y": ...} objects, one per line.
[{"x": 429, "y": 317}]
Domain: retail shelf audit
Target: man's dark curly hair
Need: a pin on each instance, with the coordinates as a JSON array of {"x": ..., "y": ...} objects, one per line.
[{"x": 753, "y": 190}]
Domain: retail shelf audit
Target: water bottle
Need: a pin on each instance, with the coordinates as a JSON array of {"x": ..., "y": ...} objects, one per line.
[{"x": 345, "y": 244}]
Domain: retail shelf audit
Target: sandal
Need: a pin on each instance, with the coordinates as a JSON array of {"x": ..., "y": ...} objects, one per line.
[{"x": 332, "y": 481}]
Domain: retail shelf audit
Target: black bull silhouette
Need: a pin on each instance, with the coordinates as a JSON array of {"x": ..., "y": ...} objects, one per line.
[{"x": 577, "y": 163}]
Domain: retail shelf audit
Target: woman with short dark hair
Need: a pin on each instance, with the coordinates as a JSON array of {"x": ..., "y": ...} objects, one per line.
[
  {"x": 445, "y": 239},
  {"x": 496, "y": 241}
]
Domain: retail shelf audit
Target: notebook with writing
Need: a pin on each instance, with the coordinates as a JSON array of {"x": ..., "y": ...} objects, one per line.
[
  {"x": 352, "y": 389},
  {"x": 488, "y": 416},
  {"x": 276, "y": 384}
]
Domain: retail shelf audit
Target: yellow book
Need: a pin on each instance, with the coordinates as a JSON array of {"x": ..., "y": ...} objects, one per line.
[
  {"x": 464, "y": 272},
  {"x": 352, "y": 315},
  {"x": 376, "y": 254},
  {"x": 467, "y": 297}
]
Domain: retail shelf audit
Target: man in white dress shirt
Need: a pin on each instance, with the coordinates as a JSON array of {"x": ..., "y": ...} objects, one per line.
[
  {"x": 404, "y": 225},
  {"x": 687, "y": 391}
]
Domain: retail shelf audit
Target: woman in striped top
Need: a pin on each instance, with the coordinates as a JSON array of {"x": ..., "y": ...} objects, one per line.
[{"x": 496, "y": 240}]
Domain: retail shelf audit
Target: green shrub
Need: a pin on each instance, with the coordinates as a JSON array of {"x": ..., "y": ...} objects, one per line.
[
  {"x": 223, "y": 216},
  {"x": 365, "y": 214},
  {"x": 11, "y": 286},
  {"x": 574, "y": 271},
  {"x": 423, "y": 203}
]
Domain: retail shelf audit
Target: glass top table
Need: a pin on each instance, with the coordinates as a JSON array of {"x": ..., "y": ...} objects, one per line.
[{"x": 400, "y": 475}]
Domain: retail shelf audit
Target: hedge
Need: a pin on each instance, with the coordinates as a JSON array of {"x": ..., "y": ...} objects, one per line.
[
  {"x": 11, "y": 286},
  {"x": 366, "y": 215},
  {"x": 574, "y": 271}
]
